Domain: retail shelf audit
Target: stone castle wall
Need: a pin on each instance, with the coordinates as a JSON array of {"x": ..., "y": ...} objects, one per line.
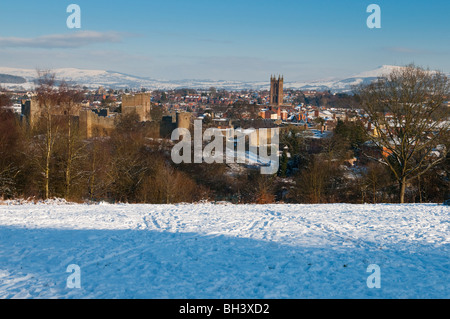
[
  {"x": 92, "y": 124},
  {"x": 139, "y": 103}
]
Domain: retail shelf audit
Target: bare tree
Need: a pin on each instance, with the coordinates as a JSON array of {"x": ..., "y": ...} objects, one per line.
[
  {"x": 69, "y": 100},
  {"x": 5, "y": 99},
  {"x": 47, "y": 99},
  {"x": 10, "y": 161},
  {"x": 374, "y": 178},
  {"x": 411, "y": 122}
]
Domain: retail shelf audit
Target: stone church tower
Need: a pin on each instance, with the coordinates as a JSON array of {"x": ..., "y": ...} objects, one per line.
[{"x": 276, "y": 90}]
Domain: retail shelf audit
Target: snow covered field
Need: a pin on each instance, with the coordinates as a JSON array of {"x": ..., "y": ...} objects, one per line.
[{"x": 224, "y": 251}]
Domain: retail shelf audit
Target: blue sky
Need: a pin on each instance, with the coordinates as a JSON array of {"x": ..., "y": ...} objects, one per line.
[{"x": 225, "y": 40}]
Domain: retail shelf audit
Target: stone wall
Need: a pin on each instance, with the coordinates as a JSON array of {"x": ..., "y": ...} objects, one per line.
[
  {"x": 93, "y": 125},
  {"x": 139, "y": 103}
]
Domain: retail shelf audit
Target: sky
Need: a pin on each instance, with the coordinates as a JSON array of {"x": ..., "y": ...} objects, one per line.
[{"x": 245, "y": 40}]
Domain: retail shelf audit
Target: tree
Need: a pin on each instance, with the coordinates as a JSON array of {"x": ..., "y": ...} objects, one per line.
[
  {"x": 242, "y": 110},
  {"x": 374, "y": 178},
  {"x": 282, "y": 171},
  {"x": 163, "y": 98},
  {"x": 406, "y": 109},
  {"x": 263, "y": 189},
  {"x": 109, "y": 103},
  {"x": 128, "y": 164},
  {"x": 212, "y": 92},
  {"x": 5, "y": 100},
  {"x": 10, "y": 157},
  {"x": 47, "y": 98},
  {"x": 352, "y": 133},
  {"x": 97, "y": 165},
  {"x": 166, "y": 185},
  {"x": 311, "y": 183},
  {"x": 69, "y": 100}
]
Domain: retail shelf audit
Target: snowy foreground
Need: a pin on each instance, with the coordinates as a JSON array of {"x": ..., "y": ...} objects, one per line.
[{"x": 224, "y": 251}]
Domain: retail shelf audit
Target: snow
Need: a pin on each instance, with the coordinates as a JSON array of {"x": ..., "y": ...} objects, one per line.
[
  {"x": 96, "y": 78},
  {"x": 224, "y": 251},
  {"x": 381, "y": 71}
]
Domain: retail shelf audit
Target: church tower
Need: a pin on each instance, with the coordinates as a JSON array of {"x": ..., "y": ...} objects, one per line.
[{"x": 276, "y": 90}]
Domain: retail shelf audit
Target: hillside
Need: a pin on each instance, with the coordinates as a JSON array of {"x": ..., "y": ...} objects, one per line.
[
  {"x": 111, "y": 79},
  {"x": 224, "y": 251},
  {"x": 11, "y": 79}
]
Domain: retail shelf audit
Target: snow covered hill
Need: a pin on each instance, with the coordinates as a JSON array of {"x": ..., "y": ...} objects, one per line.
[
  {"x": 111, "y": 79},
  {"x": 224, "y": 251},
  {"x": 89, "y": 78},
  {"x": 346, "y": 84}
]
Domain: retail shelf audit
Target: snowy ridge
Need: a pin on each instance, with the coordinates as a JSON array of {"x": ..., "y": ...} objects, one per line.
[
  {"x": 225, "y": 251},
  {"x": 111, "y": 79}
]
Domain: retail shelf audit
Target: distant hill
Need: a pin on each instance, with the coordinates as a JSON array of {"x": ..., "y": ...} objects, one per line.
[
  {"x": 6, "y": 78},
  {"x": 24, "y": 78}
]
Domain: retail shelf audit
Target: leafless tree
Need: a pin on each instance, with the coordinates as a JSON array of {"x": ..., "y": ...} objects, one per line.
[
  {"x": 406, "y": 108},
  {"x": 70, "y": 98},
  {"x": 47, "y": 99},
  {"x": 10, "y": 161}
]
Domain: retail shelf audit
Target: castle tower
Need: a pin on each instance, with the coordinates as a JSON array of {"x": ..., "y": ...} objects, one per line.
[
  {"x": 139, "y": 103},
  {"x": 183, "y": 120},
  {"x": 276, "y": 90}
]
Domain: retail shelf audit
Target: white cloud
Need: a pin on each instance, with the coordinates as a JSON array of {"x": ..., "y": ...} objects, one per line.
[
  {"x": 69, "y": 40},
  {"x": 406, "y": 50}
]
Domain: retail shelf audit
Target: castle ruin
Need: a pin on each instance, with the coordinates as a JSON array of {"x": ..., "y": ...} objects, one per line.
[{"x": 94, "y": 122}]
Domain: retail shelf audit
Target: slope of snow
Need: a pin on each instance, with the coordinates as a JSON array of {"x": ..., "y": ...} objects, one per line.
[
  {"x": 378, "y": 72},
  {"x": 224, "y": 251},
  {"x": 111, "y": 79},
  {"x": 96, "y": 78},
  {"x": 346, "y": 84}
]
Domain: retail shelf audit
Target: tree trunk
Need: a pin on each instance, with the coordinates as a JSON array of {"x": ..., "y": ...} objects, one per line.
[
  {"x": 69, "y": 159},
  {"x": 47, "y": 177},
  {"x": 47, "y": 163},
  {"x": 374, "y": 189},
  {"x": 420, "y": 191},
  {"x": 402, "y": 185}
]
